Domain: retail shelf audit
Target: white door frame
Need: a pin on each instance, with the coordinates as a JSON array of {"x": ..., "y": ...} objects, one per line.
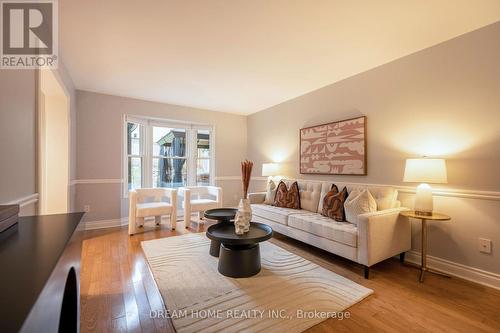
[{"x": 41, "y": 158}]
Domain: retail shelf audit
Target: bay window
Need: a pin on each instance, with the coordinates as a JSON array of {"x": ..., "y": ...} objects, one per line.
[
  {"x": 166, "y": 154},
  {"x": 169, "y": 157},
  {"x": 203, "y": 157},
  {"x": 135, "y": 154}
]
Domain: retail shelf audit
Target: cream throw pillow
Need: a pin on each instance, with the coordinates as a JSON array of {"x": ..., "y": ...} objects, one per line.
[
  {"x": 270, "y": 192},
  {"x": 359, "y": 202},
  {"x": 386, "y": 197}
]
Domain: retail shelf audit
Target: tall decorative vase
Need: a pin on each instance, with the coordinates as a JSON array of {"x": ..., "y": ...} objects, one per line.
[
  {"x": 243, "y": 217},
  {"x": 244, "y": 213}
]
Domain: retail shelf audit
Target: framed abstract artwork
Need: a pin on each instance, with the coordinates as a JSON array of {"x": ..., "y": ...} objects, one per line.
[{"x": 337, "y": 148}]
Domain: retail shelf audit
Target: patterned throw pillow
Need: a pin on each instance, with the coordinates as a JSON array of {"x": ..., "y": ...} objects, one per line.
[
  {"x": 287, "y": 198},
  {"x": 333, "y": 204}
]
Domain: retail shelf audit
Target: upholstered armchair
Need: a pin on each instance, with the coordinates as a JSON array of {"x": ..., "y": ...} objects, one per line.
[
  {"x": 199, "y": 199},
  {"x": 149, "y": 202}
]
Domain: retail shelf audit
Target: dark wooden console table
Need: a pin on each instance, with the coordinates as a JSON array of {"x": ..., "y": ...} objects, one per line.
[{"x": 40, "y": 274}]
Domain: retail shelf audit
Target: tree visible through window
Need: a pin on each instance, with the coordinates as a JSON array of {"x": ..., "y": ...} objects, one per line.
[
  {"x": 134, "y": 155},
  {"x": 203, "y": 157},
  {"x": 167, "y": 156}
]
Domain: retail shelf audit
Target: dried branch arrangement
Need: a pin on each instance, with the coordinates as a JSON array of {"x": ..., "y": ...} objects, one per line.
[{"x": 246, "y": 174}]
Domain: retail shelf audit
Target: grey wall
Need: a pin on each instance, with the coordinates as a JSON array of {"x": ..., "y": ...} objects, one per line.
[
  {"x": 443, "y": 101},
  {"x": 99, "y": 142},
  {"x": 17, "y": 134},
  {"x": 18, "y": 137}
]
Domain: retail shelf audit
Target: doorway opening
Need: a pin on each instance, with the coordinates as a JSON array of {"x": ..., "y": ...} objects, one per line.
[{"x": 53, "y": 144}]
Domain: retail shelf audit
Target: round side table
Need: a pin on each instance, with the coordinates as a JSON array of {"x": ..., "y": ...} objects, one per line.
[
  {"x": 239, "y": 254},
  {"x": 424, "y": 219},
  {"x": 221, "y": 215}
]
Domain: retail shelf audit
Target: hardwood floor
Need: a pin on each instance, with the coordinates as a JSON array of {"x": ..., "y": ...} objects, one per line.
[{"x": 118, "y": 291}]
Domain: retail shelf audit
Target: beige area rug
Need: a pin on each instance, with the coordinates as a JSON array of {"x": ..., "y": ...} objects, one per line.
[{"x": 290, "y": 294}]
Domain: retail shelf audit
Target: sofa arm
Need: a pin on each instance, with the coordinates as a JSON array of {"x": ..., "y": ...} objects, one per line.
[
  {"x": 217, "y": 192},
  {"x": 132, "y": 211},
  {"x": 169, "y": 191},
  {"x": 171, "y": 194},
  {"x": 257, "y": 198},
  {"x": 173, "y": 202},
  {"x": 382, "y": 235}
]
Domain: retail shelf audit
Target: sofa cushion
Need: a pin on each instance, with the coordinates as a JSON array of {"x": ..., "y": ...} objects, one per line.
[
  {"x": 385, "y": 196},
  {"x": 153, "y": 209},
  {"x": 333, "y": 204},
  {"x": 203, "y": 204},
  {"x": 316, "y": 224},
  {"x": 287, "y": 196},
  {"x": 310, "y": 192},
  {"x": 276, "y": 214},
  {"x": 359, "y": 202}
]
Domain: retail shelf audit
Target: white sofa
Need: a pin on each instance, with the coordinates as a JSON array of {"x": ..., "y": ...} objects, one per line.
[{"x": 377, "y": 236}]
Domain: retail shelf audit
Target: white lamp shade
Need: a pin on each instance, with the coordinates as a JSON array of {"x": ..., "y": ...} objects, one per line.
[
  {"x": 425, "y": 170},
  {"x": 271, "y": 169}
]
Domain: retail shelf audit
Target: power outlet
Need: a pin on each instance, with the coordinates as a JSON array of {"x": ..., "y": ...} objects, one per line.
[
  {"x": 86, "y": 208},
  {"x": 484, "y": 245}
]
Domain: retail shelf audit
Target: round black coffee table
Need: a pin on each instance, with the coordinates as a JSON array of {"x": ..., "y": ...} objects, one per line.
[
  {"x": 239, "y": 254},
  {"x": 221, "y": 215}
]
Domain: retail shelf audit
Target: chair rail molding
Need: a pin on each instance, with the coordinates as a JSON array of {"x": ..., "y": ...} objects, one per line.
[
  {"x": 238, "y": 178},
  {"x": 222, "y": 178},
  {"x": 24, "y": 201},
  {"x": 97, "y": 181},
  {"x": 457, "y": 193}
]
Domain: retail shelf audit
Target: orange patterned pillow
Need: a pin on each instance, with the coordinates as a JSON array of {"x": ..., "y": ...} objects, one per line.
[
  {"x": 333, "y": 204},
  {"x": 287, "y": 198}
]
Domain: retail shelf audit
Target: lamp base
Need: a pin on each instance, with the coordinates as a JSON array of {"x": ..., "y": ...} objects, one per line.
[
  {"x": 418, "y": 212},
  {"x": 423, "y": 200}
]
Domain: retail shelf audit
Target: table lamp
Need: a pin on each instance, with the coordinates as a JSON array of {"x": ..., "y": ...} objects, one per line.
[
  {"x": 270, "y": 169},
  {"x": 425, "y": 171}
]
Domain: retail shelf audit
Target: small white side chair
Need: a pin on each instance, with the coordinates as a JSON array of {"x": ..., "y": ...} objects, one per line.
[
  {"x": 141, "y": 206},
  {"x": 199, "y": 199}
]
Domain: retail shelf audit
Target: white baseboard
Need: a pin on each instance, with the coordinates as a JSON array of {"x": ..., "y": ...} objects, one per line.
[
  {"x": 102, "y": 224},
  {"x": 91, "y": 225},
  {"x": 476, "y": 275}
]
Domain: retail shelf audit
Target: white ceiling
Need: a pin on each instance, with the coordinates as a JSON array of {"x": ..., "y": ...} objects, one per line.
[{"x": 243, "y": 56}]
